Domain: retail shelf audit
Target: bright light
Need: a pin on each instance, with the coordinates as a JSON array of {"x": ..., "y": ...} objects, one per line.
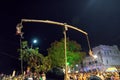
[
  {"x": 95, "y": 56},
  {"x": 76, "y": 65},
  {"x": 35, "y": 41},
  {"x": 111, "y": 69}
]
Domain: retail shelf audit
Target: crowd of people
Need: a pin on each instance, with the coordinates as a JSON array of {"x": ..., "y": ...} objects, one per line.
[
  {"x": 94, "y": 76},
  {"x": 71, "y": 76},
  {"x": 29, "y": 76}
]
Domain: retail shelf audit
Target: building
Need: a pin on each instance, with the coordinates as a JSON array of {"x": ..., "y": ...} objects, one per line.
[
  {"x": 107, "y": 56},
  {"x": 92, "y": 64}
]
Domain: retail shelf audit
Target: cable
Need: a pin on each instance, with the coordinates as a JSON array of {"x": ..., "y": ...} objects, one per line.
[{"x": 8, "y": 55}]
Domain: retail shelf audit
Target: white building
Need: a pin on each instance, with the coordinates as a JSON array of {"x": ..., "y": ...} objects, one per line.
[
  {"x": 90, "y": 64},
  {"x": 106, "y": 56}
]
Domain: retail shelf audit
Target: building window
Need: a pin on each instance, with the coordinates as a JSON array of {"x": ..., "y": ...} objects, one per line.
[
  {"x": 107, "y": 52},
  {"x": 107, "y": 61},
  {"x": 96, "y": 62},
  {"x": 104, "y": 53},
  {"x": 89, "y": 63},
  {"x": 110, "y": 51},
  {"x": 117, "y": 52}
]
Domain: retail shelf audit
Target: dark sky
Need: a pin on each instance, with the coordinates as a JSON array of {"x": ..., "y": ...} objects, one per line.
[{"x": 99, "y": 18}]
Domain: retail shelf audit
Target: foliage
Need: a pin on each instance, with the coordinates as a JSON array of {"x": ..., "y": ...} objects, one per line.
[
  {"x": 46, "y": 64},
  {"x": 56, "y": 53},
  {"x": 33, "y": 58}
]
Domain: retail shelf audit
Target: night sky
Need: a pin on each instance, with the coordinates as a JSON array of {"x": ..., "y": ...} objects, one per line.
[{"x": 99, "y": 18}]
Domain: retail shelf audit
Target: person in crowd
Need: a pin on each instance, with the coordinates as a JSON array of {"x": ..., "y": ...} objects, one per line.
[{"x": 43, "y": 76}]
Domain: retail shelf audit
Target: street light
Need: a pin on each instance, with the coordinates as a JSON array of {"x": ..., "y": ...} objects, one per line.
[{"x": 95, "y": 56}]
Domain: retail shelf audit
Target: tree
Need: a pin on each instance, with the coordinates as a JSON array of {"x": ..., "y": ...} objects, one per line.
[
  {"x": 33, "y": 58},
  {"x": 56, "y": 53},
  {"x": 46, "y": 64}
]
